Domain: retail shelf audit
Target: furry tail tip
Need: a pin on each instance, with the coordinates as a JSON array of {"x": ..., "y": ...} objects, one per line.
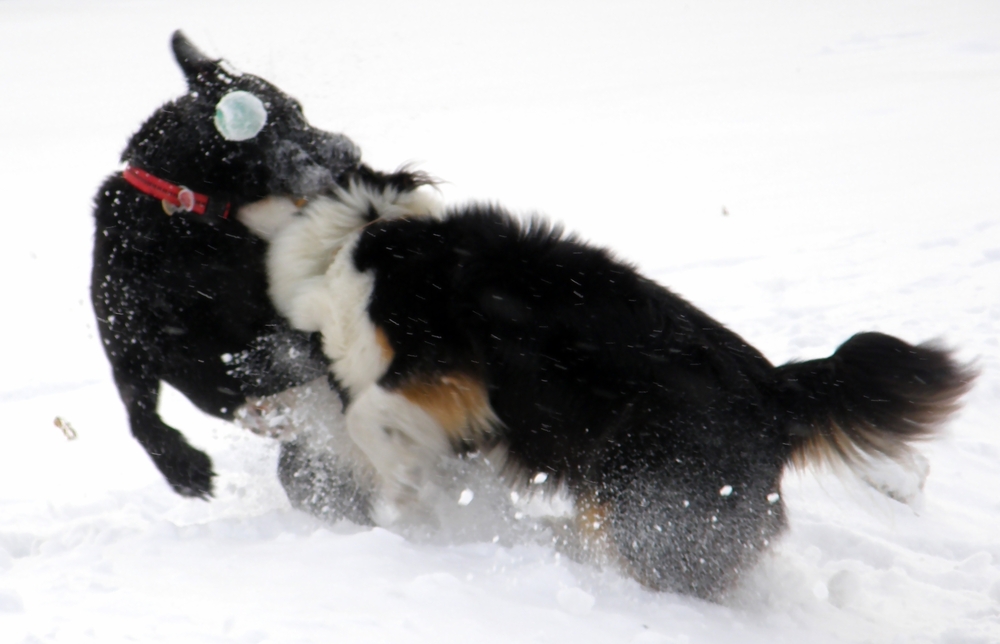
[{"x": 872, "y": 398}]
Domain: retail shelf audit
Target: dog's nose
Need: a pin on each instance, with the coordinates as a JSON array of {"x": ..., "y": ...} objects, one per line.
[{"x": 338, "y": 152}]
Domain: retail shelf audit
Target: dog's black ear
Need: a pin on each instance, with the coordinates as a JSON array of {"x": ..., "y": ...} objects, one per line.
[{"x": 189, "y": 57}]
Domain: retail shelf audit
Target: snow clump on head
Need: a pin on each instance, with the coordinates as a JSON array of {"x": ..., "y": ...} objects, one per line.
[{"x": 240, "y": 116}]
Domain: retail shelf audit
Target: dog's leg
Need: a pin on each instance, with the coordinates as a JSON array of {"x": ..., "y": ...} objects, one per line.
[
  {"x": 270, "y": 416},
  {"x": 681, "y": 530},
  {"x": 401, "y": 440},
  {"x": 324, "y": 482},
  {"x": 187, "y": 469},
  {"x": 320, "y": 467}
]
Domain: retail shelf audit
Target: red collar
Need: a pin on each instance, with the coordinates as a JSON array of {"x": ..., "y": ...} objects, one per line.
[{"x": 174, "y": 197}]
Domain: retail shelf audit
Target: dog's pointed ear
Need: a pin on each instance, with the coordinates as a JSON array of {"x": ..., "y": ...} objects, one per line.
[{"x": 189, "y": 57}]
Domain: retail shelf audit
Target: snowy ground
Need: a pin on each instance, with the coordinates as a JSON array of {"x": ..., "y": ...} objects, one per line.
[{"x": 855, "y": 147}]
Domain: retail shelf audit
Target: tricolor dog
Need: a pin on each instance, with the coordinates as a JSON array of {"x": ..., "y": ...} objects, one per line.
[
  {"x": 463, "y": 329},
  {"x": 179, "y": 284}
]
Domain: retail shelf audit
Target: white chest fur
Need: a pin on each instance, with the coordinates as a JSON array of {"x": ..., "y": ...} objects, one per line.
[{"x": 315, "y": 284}]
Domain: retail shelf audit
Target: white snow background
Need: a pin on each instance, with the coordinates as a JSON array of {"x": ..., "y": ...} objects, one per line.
[{"x": 854, "y": 145}]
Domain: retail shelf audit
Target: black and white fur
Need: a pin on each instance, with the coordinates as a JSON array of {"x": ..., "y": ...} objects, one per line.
[
  {"x": 183, "y": 299},
  {"x": 465, "y": 329}
]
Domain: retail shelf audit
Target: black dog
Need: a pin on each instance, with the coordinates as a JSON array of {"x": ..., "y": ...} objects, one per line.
[
  {"x": 467, "y": 330},
  {"x": 183, "y": 298}
]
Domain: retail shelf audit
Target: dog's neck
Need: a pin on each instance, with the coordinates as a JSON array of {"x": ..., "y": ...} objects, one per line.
[
  {"x": 269, "y": 216},
  {"x": 174, "y": 198},
  {"x": 305, "y": 244}
]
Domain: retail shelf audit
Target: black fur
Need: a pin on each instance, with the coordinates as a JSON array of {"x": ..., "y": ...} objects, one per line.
[
  {"x": 636, "y": 401},
  {"x": 321, "y": 482},
  {"x": 872, "y": 396},
  {"x": 183, "y": 299}
]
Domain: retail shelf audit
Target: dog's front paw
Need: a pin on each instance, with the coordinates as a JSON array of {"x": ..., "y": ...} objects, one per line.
[
  {"x": 270, "y": 417},
  {"x": 187, "y": 469}
]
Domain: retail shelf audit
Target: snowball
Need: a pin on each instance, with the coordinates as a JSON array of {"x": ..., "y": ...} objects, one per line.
[
  {"x": 239, "y": 116},
  {"x": 466, "y": 497},
  {"x": 540, "y": 478},
  {"x": 726, "y": 490}
]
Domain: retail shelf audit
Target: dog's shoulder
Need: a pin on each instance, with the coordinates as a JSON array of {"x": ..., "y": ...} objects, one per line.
[{"x": 115, "y": 202}]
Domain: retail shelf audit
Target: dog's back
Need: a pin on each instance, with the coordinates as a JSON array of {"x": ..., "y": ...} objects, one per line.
[{"x": 566, "y": 337}]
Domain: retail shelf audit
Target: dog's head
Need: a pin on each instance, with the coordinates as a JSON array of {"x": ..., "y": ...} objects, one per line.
[{"x": 236, "y": 136}]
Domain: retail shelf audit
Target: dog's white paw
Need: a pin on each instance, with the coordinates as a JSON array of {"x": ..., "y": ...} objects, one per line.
[
  {"x": 900, "y": 481},
  {"x": 401, "y": 441}
]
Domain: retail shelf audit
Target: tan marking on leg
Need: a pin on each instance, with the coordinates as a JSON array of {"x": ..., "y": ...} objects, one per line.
[
  {"x": 596, "y": 543},
  {"x": 593, "y": 531},
  {"x": 459, "y": 403},
  {"x": 383, "y": 343}
]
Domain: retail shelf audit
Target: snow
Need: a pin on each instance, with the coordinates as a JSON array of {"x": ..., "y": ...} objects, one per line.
[
  {"x": 240, "y": 116},
  {"x": 801, "y": 171}
]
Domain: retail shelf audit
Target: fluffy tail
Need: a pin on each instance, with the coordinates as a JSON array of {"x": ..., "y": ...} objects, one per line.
[{"x": 873, "y": 397}]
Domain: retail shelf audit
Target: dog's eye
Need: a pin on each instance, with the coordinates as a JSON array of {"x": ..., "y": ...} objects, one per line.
[{"x": 240, "y": 116}]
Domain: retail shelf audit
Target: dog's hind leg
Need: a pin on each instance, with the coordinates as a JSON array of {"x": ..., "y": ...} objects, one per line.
[
  {"x": 688, "y": 495},
  {"x": 695, "y": 537}
]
